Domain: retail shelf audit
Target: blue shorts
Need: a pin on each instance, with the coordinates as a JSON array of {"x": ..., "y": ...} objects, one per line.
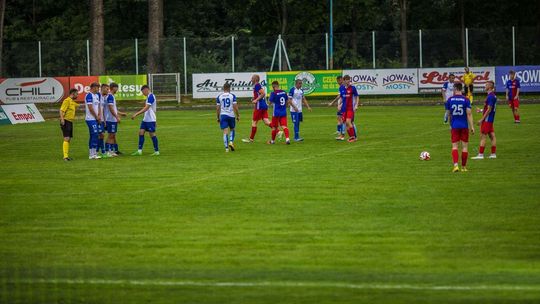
[
  {"x": 112, "y": 127},
  {"x": 101, "y": 127},
  {"x": 148, "y": 126},
  {"x": 227, "y": 122},
  {"x": 92, "y": 126},
  {"x": 297, "y": 116}
]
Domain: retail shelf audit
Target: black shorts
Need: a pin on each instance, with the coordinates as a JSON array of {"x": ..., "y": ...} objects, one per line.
[
  {"x": 67, "y": 128},
  {"x": 467, "y": 88}
]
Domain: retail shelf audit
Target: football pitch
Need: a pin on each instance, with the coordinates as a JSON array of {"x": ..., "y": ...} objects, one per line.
[{"x": 315, "y": 222}]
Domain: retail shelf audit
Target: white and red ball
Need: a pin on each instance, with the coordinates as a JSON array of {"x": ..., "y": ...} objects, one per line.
[{"x": 425, "y": 155}]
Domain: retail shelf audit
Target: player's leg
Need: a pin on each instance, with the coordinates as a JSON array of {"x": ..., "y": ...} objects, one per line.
[
  {"x": 152, "y": 132},
  {"x": 482, "y": 147},
  {"x": 101, "y": 137},
  {"x": 67, "y": 133},
  {"x": 515, "y": 109},
  {"x": 226, "y": 138},
  {"x": 464, "y": 155},
  {"x": 142, "y": 130},
  {"x": 455, "y": 145},
  {"x": 256, "y": 118},
  {"x": 274, "y": 126},
  {"x": 232, "y": 126},
  {"x": 350, "y": 127},
  {"x": 493, "y": 145},
  {"x": 283, "y": 124}
]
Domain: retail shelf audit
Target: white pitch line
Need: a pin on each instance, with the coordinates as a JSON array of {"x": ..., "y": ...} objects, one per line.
[{"x": 285, "y": 284}]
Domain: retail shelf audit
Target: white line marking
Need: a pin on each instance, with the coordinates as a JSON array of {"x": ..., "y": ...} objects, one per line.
[{"x": 380, "y": 286}]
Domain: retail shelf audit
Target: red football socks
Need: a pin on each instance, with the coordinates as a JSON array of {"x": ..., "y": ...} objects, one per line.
[
  {"x": 493, "y": 149},
  {"x": 482, "y": 148},
  {"x": 286, "y": 131},
  {"x": 350, "y": 131},
  {"x": 274, "y": 133},
  {"x": 464, "y": 157},
  {"x": 253, "y": 131},
  {"x": 455, "y": 156}
]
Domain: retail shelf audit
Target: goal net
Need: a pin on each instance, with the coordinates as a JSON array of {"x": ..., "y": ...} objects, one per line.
[{"x": 166, "y": 87}]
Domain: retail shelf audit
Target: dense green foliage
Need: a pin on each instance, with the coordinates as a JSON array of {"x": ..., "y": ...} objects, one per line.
[{"x": 316, "y": 222}]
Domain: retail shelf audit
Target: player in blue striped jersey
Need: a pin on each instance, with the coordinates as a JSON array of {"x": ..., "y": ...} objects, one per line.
[{"x": 227, "y": 115}]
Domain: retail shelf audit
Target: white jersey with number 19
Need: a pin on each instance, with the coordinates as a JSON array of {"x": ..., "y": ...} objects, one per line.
[{"x": 226, "y": 101}]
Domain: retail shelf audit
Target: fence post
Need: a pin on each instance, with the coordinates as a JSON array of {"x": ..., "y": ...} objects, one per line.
[
  {"x": 88, "y": 56},
  {"x": 513, "y": 45},
  {"x": 279, "y": 52},
  {"x": 39, "y": 57},
  {"x": 185, "y": 67},
  {"x": 373, "y": 47},
  {"x": 136, "y": 56},
  {"x": 326, "y": 48},
  {"x": 420, "y": 47},
  {"x": 232, "y": 52},
  {"x": 466, "y": 46}
]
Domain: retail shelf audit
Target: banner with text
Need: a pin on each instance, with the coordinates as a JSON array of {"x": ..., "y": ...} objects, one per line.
[
  {"x": 129, "y": 86},
  {"x": 33, "y": 90},
  {"x": 22, "y": 113},
  {"x": 528, "y": 75},
  {"x": 384, "y": 81},
  {"x": 4, "y": 119},
  {"x": 431, "y": 80},
  {"x": 314, "y": 83},
  {"x": 211, "y": 85}
]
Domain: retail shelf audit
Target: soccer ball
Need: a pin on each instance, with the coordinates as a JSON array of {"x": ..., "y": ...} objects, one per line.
[{"x": 425, "y": 155}]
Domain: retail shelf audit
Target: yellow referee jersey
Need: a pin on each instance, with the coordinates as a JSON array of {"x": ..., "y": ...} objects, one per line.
[
  {"x": 69, "y": 106},
  {"x": 468, "y": 78}
]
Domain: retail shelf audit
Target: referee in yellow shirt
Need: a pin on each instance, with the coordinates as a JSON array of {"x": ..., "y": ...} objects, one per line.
[
  {"x": 468, "y": 80},
  {"x": 67, "y": 115}
]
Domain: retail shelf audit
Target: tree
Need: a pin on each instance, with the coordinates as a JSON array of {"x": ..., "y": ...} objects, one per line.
[
  {"x": 155, "y": 34},
  {"x": 97, "y": 37},
  {"x": 462, "y": 24},
  {"x": 403, "y": 10}
]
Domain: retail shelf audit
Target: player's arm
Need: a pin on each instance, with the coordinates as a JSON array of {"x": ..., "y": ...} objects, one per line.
[
  {"x": 470, "y": 120},
  {"x": 113, "y": 112},
  {"x": 291, "y": 104},
  {"x": 334, "y": 101},
  {"x": 236, "y": 112},
  {"x": 218, "y": 112},
  {"x": 146, "y": 107},
  {"x": 507, "y": 91},
  {"x": 261, "y": 96},
  {"x": 517, "y": 93},
  {"x": 63, "y": 110},
  {"x": 100, "y": 113},
  {"x": 443, "y": 91},
  {"x": 304, "y": 100},
  {"x": 486, "y": 113},
  {"x": 355, "y": 98}
]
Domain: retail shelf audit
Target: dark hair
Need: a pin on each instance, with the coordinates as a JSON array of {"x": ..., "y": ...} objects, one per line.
[
  {"x": 339, "y": 77},
  {"x": 512, "y": 72},
  {"x": 73, "y": 91},
  {"x": 298, "y": 80},
  {"x": 458, "y": 86},
  {"x": 113, "y": 85},
  {"x": 491, "y": 82},
  {"x": 145, "y": 87},
  {"x": 275, "y": 82},
  {"x": 451, "y": 74},
  {"x": 94, "y": 84},
  {"x": 346, "y": 77},
  {"x": 104, "y": 85},
  {"x": 227, "y": 86}
]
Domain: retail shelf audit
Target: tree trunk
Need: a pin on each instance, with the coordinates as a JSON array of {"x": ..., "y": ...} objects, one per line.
[
  {"x": 284, "y": 21},
  {"x": 97, "y": 37},
  {"x": 354, "y": 38},
  {"x": 403, "y": 10},
  {"x": 155, "y": 34},
  {"x": 462, "y": 23},
  {"x": 2, "y": 11}
]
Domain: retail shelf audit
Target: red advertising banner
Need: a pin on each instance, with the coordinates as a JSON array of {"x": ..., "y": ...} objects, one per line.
[{"x": 82, "y": 84}]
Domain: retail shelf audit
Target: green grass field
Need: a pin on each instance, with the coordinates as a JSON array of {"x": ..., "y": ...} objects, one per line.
[{"x": 315, "y": 222}]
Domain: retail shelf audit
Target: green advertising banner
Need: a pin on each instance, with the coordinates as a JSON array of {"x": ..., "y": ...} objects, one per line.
[
  {"x": 4, "y": 120},
  {"x": 129, "y": 86},
  {"x": 314, "y": 83}
]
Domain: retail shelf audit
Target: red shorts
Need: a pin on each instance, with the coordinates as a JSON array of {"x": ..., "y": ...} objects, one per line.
[
  {"x": 486, "y": 127},
  {"x": 348, "y": 115},
  {"x": 279, "y": 121},
  {"x": 460, "y": 134},
  {"x": 513, "y": 103},
  {"x": 260, "y": 114}
]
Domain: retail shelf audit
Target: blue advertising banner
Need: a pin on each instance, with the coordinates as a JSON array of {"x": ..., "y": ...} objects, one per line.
[{"x": 528, "y": 75}]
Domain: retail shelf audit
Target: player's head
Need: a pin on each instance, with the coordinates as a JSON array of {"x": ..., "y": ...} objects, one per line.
[
  {"x": 347, "y": 80},
  {"x": 458, "y": 87},
  {"x": 94, "y": 87},
  {"x": 512, "y": 74},
  {"x": 255, "y": 78},
  {"x": 275, "y": 85},
  {"x": 490, "y": 86},
  {"x": 145, "y": 89},
  {"x": 114, "y": 87},
  {"x": 298, "y": 83},
  {"x": 452, "y": 78},
  {"x": 466, "y": 69},
  {"x": 339, "y": 80},
  {"x": 227, "y": 87},
  {"x": 104, "y": 89},
  {"x": 73, "y": 93}
]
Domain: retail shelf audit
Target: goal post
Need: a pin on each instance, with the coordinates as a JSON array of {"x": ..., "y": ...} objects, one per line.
[{"x": 165, "y": 86}]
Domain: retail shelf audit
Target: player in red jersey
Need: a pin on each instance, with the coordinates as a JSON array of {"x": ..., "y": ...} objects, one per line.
[
  {"x": 349, "y": 105},
  {"x": 512, "y": 95},
  {"x": 260, "y": 111},
  {"x": 459, "y": 112},
  {"x": 486, "y": 123}
]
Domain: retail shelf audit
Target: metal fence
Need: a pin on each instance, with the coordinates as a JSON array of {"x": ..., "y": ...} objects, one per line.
[{"x": 187, "y": 55}]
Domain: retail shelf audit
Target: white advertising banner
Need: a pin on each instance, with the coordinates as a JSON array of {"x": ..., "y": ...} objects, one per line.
[
  {"x": 432, "y": 79},
  {"x": 384, "y": 81},
  {"x": 211, "y": 84},
  {"x": 22, "y": 113},
  {"x": 31, "y": 90}
]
